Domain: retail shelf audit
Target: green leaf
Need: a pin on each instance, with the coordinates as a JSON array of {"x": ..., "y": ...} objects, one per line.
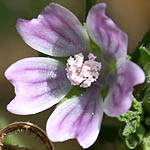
[
  {"x": 131, "y": 141},
  {"x": 144, "y": 61},
  {"x": 131, "y": 126},
  {"x": 137, "y": 105},
  {"x": 147, "y": 74},
  {"x": 144, "y": 56},
  {"x": 132, "y": 114},
  {"x": 145, "y": 42},
  {"x": 140, "y": 132},
  {"x": 146, "y": 101},
  {"x": 146, "y": 142},
  {"x": 136, "y": 120},
  {"x": 136, "y": 138},
  {"x": 134, "y": 130}
]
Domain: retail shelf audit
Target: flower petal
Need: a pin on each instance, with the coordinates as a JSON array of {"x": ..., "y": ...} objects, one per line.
[
  {"x": 119, "y": 98},
  {"x": 39, "y": 84},
  {"x": 56, "y": 31},
  {"x": 105, "y": 33},
  {"x": 78, "y": 117}
]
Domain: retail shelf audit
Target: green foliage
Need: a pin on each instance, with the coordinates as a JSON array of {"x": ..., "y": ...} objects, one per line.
[
  {"x": 133, "y": 130},
  {"x": 132, "y": 114},
  {"x": 137, "y": 120},
  {"x": 145, "y": 42},
  {"x": 146, "y": 142},
  {"x": 144, "y": 56},
  {"x": 140, "y": 132},
  {"x": 131, "y": 126},
  {"x": 144, "y": 61},
  {"x": 146, "y": 101},
  {"x": 147, "y": 73},
  {"x": 131, "y": 141},
  {"x": 141, "y": 56}
]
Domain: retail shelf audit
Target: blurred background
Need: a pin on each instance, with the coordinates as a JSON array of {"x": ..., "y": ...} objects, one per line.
[{"x": 133, "y": 17}]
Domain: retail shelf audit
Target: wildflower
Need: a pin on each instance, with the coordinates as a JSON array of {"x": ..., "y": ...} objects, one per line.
[{"x": 42, "y": 82}]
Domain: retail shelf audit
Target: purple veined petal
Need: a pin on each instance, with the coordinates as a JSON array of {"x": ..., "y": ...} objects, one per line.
[
  {"x": 56, "y": 32},
  {"x": 119, "y": 98},
  {"x": 105, "y": 33},
  {"x": 39, "y": 84},
  {"x": 78, "y": 117}
]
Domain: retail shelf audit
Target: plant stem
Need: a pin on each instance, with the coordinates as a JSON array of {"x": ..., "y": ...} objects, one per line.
[{"x": 88, "y": 5}]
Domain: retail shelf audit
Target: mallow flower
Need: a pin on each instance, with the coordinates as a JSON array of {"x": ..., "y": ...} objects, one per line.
[{"x": 106, "y": 75}]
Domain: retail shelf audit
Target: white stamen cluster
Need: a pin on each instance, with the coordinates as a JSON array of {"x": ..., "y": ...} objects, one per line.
[{"x": 81, "y": 72}]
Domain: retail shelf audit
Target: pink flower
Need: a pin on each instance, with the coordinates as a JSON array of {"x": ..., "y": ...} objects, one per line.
[{"x": 42, "y": 82}]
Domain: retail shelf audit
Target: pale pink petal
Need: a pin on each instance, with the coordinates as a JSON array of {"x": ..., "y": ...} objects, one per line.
[
  {"x": 56, "y": 31},
  {"x": 105, "y": 33},
  {"x": 119, "y": 98},
  {"x": 39, "y": 84},
  {"x": 78, "y": 117}
]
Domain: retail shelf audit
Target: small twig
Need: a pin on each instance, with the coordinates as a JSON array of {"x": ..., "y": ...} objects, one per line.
[{"x": 28, "y": 126}]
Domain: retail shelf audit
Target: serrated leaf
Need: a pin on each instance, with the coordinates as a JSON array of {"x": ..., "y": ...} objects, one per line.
[
  {"x": 137, "y": 105},
  {"x": 146, "y": 142},
  {"x": 131, "y": 141},
  {"x": 131, "y": 127},
  {"x": 140, "y": 132},
  {"x": 132, "y": 114},
  {"x": 136, "y": 138},
  {"x": 133, "y": 130},
  {"x": 143, "y": 59}
]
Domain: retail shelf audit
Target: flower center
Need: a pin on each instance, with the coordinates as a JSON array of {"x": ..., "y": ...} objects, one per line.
[{"x": 81, "y": 72}]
